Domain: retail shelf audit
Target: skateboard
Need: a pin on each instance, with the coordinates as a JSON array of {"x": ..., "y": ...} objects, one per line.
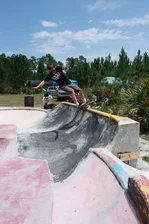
[{"x": 85, "y": 105}]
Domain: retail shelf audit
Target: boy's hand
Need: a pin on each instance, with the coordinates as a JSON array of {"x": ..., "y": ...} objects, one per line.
[
  {"x": 64, "y": 68},
  {"x": 35, "y": 89}
]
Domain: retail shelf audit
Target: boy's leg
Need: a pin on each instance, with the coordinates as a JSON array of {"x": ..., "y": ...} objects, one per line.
[
  {"x": 78, "y": 90},
  {"x": 70, "y": 90}
]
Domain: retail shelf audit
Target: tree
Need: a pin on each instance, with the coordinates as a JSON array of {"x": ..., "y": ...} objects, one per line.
[
  {"x": 20, "y": 71},
  {"x": 138, "y": 66},
  {"x": 70, "y": 62},
  {"x": 33, "y": 66},
  {"x": 4, "y": 71},
  {"x": 49, "y": 59},
  {"x": 145, "y": 62},
  {"x": 41, "y": 70},
  {"x": 123, "y": 65}
]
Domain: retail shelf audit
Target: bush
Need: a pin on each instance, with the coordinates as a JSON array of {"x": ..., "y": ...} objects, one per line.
[
  {"x": 10, "y": 90},
  {"x": 136, "y": 101},
  {"x": 146, "y": 159}
]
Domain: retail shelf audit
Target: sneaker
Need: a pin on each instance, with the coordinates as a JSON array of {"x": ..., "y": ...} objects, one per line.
[{"x": 82, "y": 105}]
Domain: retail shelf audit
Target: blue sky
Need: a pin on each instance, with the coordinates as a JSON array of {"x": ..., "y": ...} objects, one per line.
[{"x": 66, "y": 28}]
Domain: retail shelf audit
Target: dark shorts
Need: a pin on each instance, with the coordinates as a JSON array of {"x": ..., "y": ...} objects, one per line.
[{"x": 69, "y": 88}]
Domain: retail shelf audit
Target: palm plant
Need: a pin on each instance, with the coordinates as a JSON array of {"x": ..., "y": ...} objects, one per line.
[{"x": 136, "y": 102}]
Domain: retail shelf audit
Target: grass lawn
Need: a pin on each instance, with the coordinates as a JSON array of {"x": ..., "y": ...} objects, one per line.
[{"x": 16, "y": 100}]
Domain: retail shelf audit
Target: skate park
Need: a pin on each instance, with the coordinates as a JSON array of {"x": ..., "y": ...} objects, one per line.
[{"x": 60, "y": 168}]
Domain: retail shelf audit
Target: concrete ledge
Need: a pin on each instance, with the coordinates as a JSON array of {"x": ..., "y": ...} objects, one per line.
[
  {"x": 138, "y": 189},
  {"x": 127, "y": 138}
]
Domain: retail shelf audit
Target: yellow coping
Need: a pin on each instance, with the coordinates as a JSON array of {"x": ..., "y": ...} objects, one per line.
[
  {"x": 114, "y": 117},
  {"x": 145, "y": 190}
]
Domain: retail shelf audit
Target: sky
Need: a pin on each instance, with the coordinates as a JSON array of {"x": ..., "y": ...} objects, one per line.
[{"x": 66, "y": 28}]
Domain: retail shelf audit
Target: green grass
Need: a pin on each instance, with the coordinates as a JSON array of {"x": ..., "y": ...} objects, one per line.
[
  {"x": 17, "y": 100},
  {"x": 146, "y": 159},
  {"x": 145, "y": 136}
]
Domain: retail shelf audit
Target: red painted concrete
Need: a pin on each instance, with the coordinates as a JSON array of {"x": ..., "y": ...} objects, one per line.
[
  {"x": 26, "y": 194},
  {"x": 91, "y": 195},
  {"x": 138, "y": 188}
]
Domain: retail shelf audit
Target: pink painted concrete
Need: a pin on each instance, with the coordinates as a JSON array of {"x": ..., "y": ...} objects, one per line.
[
  {"x": 116, "y": 166},
  {"x": 138, "y": 188},
  {"x": 91, "y": 195},
  {"x": 25, "y": 192},
  {"x": 8, "y": 142}
]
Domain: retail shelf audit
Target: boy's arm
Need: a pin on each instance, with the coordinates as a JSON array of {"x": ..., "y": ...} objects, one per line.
[
  {"x": 64, "y": 67},
  {"x": 39, "y": 86}
]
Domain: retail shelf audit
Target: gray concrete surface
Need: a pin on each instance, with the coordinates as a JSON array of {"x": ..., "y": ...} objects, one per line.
[{"x": 64, "y": 141}]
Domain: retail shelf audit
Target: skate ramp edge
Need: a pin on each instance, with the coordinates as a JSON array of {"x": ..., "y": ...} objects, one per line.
[{"x": 114, "y": 117}]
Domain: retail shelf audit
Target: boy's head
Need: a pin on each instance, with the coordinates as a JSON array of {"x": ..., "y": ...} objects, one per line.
[{"x": 51, "y": 68}]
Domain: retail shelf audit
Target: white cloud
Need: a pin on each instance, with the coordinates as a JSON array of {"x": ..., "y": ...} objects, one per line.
[
  {"x": 48, "y": 23},
  {"x": 129, "y": 22},
  {"x": 140, "y": 35},
  {"x": 88, "y": 47},
  {"x": 62, "y": 42},
  {"x": 42, "y": 34},
  {"x": 105, "y": 5},
  {"x": 68, "y": 47},
  {"x": 45, "y": 34},
  {"x": 94, "y": 35},
  {"x": 91, "y": 35},
  {"x": 7, "y": 53},
  {"x": 22, "y": 49},
  {"x": 53, "y": 49}
]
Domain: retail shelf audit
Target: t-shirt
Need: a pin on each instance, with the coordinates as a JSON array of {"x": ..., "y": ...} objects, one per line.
[
  {"x": 47, "y": 100},
  {"x": 59, "y": 77}
]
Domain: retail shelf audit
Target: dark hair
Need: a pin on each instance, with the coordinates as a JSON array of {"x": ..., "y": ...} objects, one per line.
[
  {"x": 49, "y": 66},
  {"x": 46, "y": 94}
]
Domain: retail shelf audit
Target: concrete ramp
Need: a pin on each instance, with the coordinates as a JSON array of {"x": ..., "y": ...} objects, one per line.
[
  {"x": 92, "y": 195},
  {"x": 57, "y": 167},
  {"x": 64, "y": 141},
  {"x": 26, "y": 193}
]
